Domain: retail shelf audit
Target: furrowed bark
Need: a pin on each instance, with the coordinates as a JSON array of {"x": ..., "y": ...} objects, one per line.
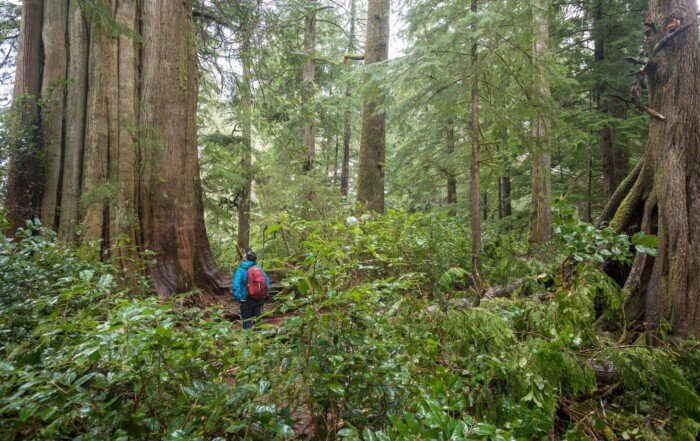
[
  {"x": 668, "y": 183},
  {"x": 53, "y": 89},
  {"x": 25, "y": 170},
  {"x": 76, "y": 103},
  {"x": 540, "y": 211},
  {"x": 100, "y": 136},
  {"x": 474, "y": 176},
  {"x": 370, "y": 181},
  {"x": 123, "y": 213},
  {"x": 120, "y": 133}
]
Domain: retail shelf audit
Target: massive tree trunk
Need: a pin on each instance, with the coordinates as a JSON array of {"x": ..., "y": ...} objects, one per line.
[
  {"x": 370, "y": 181},
  {"x": 247, "y": 132},
  {"x": 24, "y": 177},
  {"x": 474, "y": 178},
  {"x": 347, "y": 129},
  {"x": 119, "y": 134},
  {"x": 308, "y": 89},
  {"x": 540, "y": 211},
  {"x": 662, "y": 195}
]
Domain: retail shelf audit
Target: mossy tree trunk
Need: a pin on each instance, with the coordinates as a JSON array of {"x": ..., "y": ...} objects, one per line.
[
  {"x": 370, "y": 181},
  {"x": 119, "y": 91},
  {"x": 662, "y": 194}
]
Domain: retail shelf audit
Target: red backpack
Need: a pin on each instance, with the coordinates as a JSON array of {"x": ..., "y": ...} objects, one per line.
[{"x": 257, "y": 285}]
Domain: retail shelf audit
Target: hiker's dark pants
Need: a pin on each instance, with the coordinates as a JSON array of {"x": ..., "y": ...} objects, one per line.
[{"x": 250, "y": 311}]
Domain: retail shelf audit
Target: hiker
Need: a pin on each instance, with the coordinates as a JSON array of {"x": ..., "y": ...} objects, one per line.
[{"x": 250, "y": 293}]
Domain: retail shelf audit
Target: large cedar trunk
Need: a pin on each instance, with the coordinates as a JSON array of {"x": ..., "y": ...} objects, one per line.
[
  {"x": 24, "y": 177},
  {"x": 662, "y": 195},
  {"x": 370, "y": 181},
  {"x": 119, "y": 135},
  {"x": 540, "y": 211}
]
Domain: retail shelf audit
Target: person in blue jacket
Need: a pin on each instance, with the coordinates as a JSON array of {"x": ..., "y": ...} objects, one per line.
[{"x": 250, "y": 308}]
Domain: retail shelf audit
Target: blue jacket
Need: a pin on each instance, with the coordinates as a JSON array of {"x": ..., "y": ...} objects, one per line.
[{"x": 240, "y": 281}]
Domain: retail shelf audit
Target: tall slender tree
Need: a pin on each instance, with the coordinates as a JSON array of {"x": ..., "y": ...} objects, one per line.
[
  {"x": 309, "y": 75},
  {"x": 451, "y": 176},
  {"x": 246, "y": 111},
  {"x": 540, "y": 211},
  {"x": 370, "y": 181},
  {"x": 347, "y": 128},
  {"x": 474, "y": 177},
  {"x": 127, "y": 141}
]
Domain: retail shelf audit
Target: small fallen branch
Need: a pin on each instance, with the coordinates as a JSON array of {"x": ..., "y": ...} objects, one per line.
[{"x": 600, "y": 393}]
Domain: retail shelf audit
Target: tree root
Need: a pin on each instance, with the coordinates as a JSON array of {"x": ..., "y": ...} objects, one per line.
[
  {"x": 622, "y": 190},
  {"x": 629, "y": 208}
]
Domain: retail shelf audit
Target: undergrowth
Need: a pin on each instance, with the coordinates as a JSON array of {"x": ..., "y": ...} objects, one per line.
[{"x": 373, "y": 347}]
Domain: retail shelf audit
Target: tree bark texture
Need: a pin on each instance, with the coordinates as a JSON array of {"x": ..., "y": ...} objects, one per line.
[
  {"x": 118, "y": 134},
  {"x": 507, "y": 204},
  {"x": 308, "y": 89},
  {"x": 540, "y": 211},
  {"x": 25, "y": 171},
  {"x": 451, "y": 177},
  {"x": 347, "y": 128},
  {"x": 662, "y": 195},
  {"x": 474, "y": 177},
  {"x": 247, "y": 132},
  {"x": 370, "y": 182}
]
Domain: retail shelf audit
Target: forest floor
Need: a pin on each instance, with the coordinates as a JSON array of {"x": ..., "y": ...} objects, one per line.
[{"x": 271, "y": 315}]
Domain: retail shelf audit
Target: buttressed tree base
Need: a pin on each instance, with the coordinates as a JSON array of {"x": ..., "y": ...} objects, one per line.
[{"x": 116, "y": 134}]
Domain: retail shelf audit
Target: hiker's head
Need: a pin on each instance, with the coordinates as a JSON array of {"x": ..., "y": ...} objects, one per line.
[{"x": 250, "y": 255}]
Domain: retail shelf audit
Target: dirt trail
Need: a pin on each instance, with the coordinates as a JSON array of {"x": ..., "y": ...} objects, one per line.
[{"x": 232, "y": 309}]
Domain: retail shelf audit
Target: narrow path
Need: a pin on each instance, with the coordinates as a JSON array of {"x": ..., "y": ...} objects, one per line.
[{"x": 232, "y": 309}]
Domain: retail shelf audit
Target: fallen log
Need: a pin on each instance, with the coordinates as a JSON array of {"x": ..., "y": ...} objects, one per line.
[{"x": 604, "y": 371}]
